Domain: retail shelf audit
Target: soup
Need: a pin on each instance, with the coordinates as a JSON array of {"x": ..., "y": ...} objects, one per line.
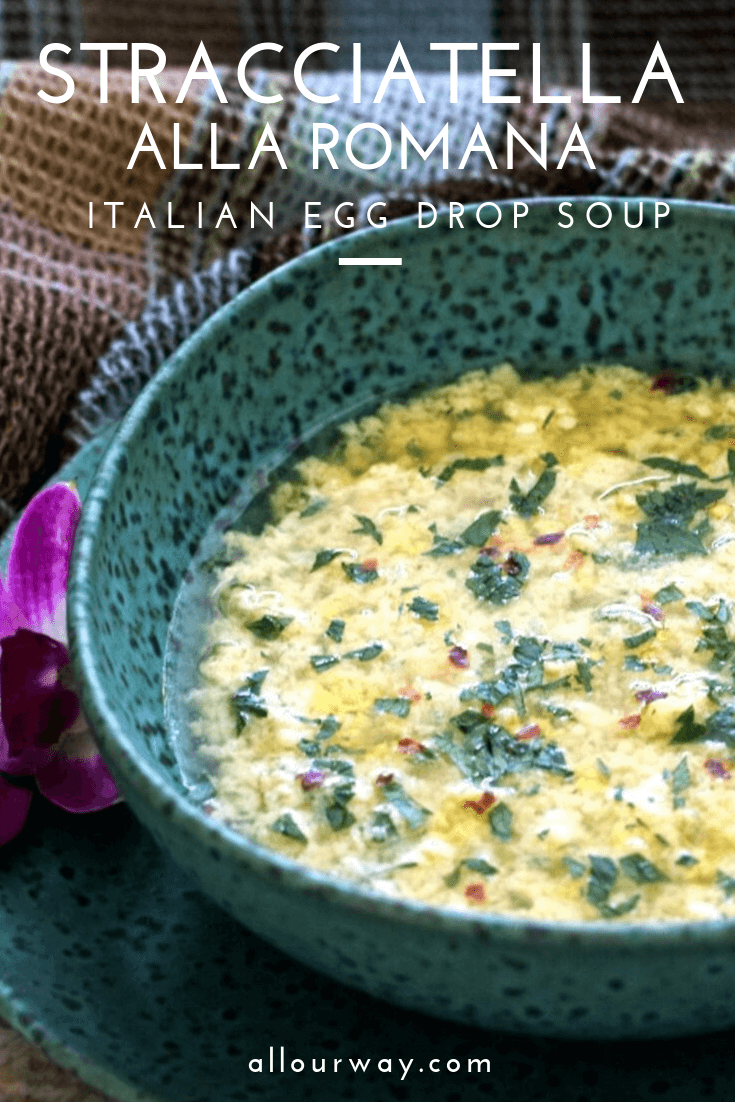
[{"x": 483, "y": 657}]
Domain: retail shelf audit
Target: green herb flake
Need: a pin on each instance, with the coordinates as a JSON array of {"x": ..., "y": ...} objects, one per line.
[
  {"x": 314, "y": 507},
  {"x": 269, "y": 627},
  {"x": 719, "y": 432},
  {"x": 322, "y": 662},
  {"x": 367, "y": 528},
  {"x": 501, "y": 822},
  {"x": 584, "y": 674},
  {"x": 247, "y": 702},
  {"x": 393, "y": 705},
  {"x": 632, "y": 662},
  {"x": 412, "y": 812},
  {"x": 479, "y": 532},
  {"x": 366, "y": 654},
  {"x": 680, "y": 777},
  {"x": 666, "y": 532},
  {"x": 480, "y": 865},
  {"x": 505, "y": 630},
  {"x": 602, "y": 879},
  {"x": 674, "y": 466},
  {"x": 576, "y": 869},
  {"x": 720, "y": 726},
  {"x": 687, "y": 860},
  {"x": 687, "y": 729},
  {"x": 324, "y": 557},
  {"x": 528, "y": 504},
  {"x": 639, "y": 869},
  {"x": 381, "y": 827},
  {"x": 498, "y": 583},
  {"x": 444, "y": 545},
  {"x": 667, "y": 595},
  {"x": 336, "y": 630},
  {"x": 286, "y": 824},
  {"x": 357, "y": 572},
  {"x": 731, "y": 463},
  {"x": 727, "y": 883},
  {"x": 603, "y": 768},
  {"x": 469, "y": 465},
  {"x": 425, "y": 610},
  {"x": 633, "y": 641}
]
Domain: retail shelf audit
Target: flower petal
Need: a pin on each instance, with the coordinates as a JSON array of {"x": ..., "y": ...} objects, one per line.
[
  {"x": 11, "y": 618},
  {"x": 76, "y": 778},
  {"x": 35, "y": 706},
  {"x": 14, "y": 804},
  {"x": 38, "y": 566}
]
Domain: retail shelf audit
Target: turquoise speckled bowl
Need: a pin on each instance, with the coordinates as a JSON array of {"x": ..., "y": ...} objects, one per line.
[{"x": 303, "y": 346}]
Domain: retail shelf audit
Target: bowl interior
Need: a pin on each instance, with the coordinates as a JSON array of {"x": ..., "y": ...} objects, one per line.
[{"x": 316, "y": 342}]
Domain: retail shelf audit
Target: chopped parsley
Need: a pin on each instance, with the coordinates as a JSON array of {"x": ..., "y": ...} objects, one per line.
[
  {"x": 469, "y": 465},
  {"x": 633, "y": 641},
  {"x": 602, "y": 880},
  {"x": 479, "y": 532},
  {"x": 638, "y": 868},
  {"x": 687, "y": 729},
  {"x": 667, "y": 531},
  {"x": 482, "y": 750},
  {"x": 360, "y": 572},
  {"x": 473, "y": 864},
  {"x": 727, "y": 883},
  {"x": 336, "y": 812},
  {"x": 668, "y": 594},
  {"x": 527, "y": 505},
  {"x": 322, "y": 662},
  {"x": 425, "y": 610},
  {"x": 286, "y": 824},
  {"x": 324, "y": 557},
  {"x": 674, "y": 466},
  {"x": 366, "y": 654},
  {"x": 269, "y": 627},
  {"x": 381, "y": 827},
  {"x": 393, "y": 705},
  {"x": 444, "y": 545},
  {"x": 247, "y": 701},
  {"x": 680, "y": 777},
  {"x": 336, "y": 630},
  {"x": 498, "y": 583},
  {"x": 367, "y": 528},
  {"x": 584, "y": 673},
  {"x": 409, "y": 810},
  {"x": 501, "y": 822},
  {"x": 314, "y": 507}
]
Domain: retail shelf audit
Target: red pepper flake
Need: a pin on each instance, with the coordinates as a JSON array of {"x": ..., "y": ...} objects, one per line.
[
  {"x": 313, "y": 779},
  {"x": 654, "y": 611},
  {"x": 549, "y": 539},
  {"x": 487, "y": 710},
  {"x": 480, "y": 806},
  {"x": 511, "y": 566},
  {"x": 383, "y": 779},
  {"x": 476, "y": 892},
  {"x": 591, "y": 521},
  {"x": 369, "y": 564},
  {"x": 717, "y": 768},
  {"x": 666, "y": 382},
  {"x": 575, "y": 559},
  {"x": 647, "y": 696},
  {"x": 409, "y": 693},
  {"x": 410, "y": 746},
  {"x": 532, "y": 731},
  {"x": 629, "y": 722},
  {"x": 458, "y": 656}
]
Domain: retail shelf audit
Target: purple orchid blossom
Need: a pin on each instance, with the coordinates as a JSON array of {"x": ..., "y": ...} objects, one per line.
[{"x": 43, "y": 732}]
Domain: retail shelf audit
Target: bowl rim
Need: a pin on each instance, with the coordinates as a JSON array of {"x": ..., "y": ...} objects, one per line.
[{"x": 162, "y": 797}]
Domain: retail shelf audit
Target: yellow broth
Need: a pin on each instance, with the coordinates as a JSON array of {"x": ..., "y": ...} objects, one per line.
[{"x": 496, "y": 625}]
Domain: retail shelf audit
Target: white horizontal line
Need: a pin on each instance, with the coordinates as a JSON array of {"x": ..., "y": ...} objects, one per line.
[{"x": 355, "y": 260}]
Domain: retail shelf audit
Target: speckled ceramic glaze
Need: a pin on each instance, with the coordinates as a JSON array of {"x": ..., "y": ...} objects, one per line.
[{"x": 306, "y": 345}]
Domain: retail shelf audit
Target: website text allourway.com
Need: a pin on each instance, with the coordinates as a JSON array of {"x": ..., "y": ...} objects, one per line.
[{"x": 279, "y": 1062}]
